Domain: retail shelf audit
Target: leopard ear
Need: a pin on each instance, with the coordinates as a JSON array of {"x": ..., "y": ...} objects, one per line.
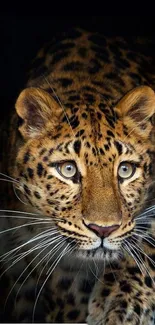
[
  {"x": 138, "y": 110},
  {"x": 36, "y": 108}
]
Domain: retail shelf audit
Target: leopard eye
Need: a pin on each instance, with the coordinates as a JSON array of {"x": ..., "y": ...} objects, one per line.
[
  {"x": 126, "y": 170},
  {"x": 67, "y": 169}
]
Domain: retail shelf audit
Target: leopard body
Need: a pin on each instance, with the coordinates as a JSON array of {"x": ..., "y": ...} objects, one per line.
[{"x": 89, "y": 102}]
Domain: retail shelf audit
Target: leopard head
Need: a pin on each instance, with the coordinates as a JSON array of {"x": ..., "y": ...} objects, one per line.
[{"x": 87, "y": 173}]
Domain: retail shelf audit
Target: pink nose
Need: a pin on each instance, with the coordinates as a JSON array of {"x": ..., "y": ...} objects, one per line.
[{"x": 102, "y": 231}]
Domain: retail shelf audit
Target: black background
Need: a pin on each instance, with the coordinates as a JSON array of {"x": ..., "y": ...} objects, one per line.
[{"x": 23, "y": 34}]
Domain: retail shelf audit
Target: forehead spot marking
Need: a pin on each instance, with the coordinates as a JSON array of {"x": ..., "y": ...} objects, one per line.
[
  {"x": 77, "y": 146},
  {"x": 40, "y": 169}
]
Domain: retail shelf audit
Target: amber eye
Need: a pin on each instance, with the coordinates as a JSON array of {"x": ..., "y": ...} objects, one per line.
[
  {"x": 67, "y": 169},
  {"x": 126, "y": 170}
]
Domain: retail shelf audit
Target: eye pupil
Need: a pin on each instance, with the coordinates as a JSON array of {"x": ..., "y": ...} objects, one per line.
[{"x": 124, "y": 168}]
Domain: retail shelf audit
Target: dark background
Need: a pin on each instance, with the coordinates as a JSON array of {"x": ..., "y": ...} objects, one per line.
[{"x": 21, "y": 35}]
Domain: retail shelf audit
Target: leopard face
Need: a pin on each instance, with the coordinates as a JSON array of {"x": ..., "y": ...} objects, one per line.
[{"x": 88, "y": 176}]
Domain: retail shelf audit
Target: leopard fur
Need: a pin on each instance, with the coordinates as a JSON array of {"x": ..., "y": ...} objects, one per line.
[{"x": 89, "y": 102}]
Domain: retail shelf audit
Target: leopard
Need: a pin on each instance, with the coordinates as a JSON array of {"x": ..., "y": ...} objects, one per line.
[{"x": 77, "y": 185}]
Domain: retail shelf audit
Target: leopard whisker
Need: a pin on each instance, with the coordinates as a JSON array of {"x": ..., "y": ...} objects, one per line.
[
  {"x": 17, "y": 211},
  {"x": 146, "y": 238},
  {"x": 82, "y": 263},
  {"x": 19, "y": 279},
  {"x": 24, "y": 225},
  {"x": 8, "y": 180},
  {"x": 28, "y": 252},
  {"x": 58, "y": 246},
  {"x": 75, "y": 246},
  {"x": 146, "y": 234},
  {"x": 42, "y": 243},
  {"x": 134, "y": 248},
  {"x": 68, "y": 251},
  {"x": 144, "y": 220},
  {"x": 148, "y": 210},
  {"x": 32, "y": 249},
  {"x": 36, "y": 266},
  {"x": 17, "y": 196},
  {"x": 96, "y": 267},
  {"x": 57, "y": 260},
  {"x": 24, "y": 217},
  {"x": 143, "y": 226},
  {"x": 129, "y": 249},
  {"x": 142, "y": 251},
  {"x": 34, "y": 238},
  {"x": 95, "y": 274},
  {"x": 9, "y": 177},
  {"x": 25, "y": 271},
  {"x": 51, "y": 220},
  {"x": 62, "y": 242}
]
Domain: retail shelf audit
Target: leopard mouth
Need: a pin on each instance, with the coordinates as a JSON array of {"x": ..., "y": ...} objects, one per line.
[{"x": 100, "y": 253}]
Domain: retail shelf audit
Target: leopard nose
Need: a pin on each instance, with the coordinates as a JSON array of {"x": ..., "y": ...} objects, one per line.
[{"x": 102, "y": 231}]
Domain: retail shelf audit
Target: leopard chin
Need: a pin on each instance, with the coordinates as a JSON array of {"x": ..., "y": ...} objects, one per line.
[{"x": 101, "y": 254}]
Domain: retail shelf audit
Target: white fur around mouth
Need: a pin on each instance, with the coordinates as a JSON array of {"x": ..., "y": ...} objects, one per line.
[{"x": 111, "y": 244}]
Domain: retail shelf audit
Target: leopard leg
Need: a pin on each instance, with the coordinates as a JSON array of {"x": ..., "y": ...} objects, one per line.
[{"x": 123, "y": 297}]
